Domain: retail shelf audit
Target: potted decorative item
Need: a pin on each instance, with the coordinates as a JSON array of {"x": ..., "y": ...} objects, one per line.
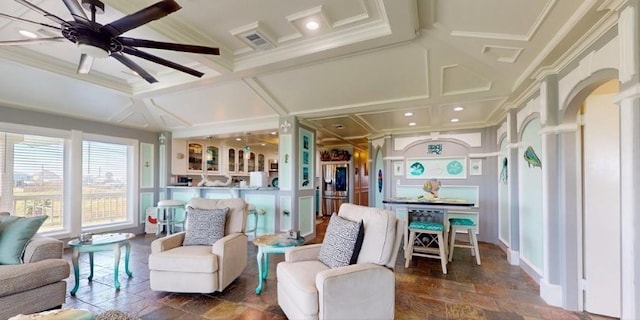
[{"x": 431, "y": 187}]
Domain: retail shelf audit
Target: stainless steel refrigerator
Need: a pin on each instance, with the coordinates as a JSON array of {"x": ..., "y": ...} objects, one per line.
[{"x": 335, "y": 187}]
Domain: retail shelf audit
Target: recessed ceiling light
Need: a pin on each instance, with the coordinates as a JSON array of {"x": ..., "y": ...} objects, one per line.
[
  {"x": 273, "y": 133},
  {"x": 312, "y": 25},
  {"x": 459, "y": 108},
  {"x": 412, "y": 123},
  {"x": 28, "y": 34},
  {"x": 238, "y": 139},
  {"x": 408, "y": 114},
  {"x": 455, "y": 120},
  {"x": 263, "y": 144}
]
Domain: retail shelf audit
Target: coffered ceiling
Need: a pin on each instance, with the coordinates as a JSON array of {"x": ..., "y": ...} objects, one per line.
[{"x": 354, "y": 78}]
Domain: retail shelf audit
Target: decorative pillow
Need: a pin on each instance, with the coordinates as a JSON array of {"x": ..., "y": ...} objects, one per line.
[
  {"x": 204, "y": 226},
  {"x": 339, "y": 245},
  {"x": 15, "y": 232}
]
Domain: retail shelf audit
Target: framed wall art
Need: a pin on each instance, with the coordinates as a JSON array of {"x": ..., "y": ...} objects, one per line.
[
  {"x": 398, "y": 168},
  {"x": 436, "y": 168},
  {"x": 306, "y": 148}
]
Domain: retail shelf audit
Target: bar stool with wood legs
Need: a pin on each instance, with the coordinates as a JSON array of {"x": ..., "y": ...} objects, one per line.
[
  {"x": 167, "y": 215},
  {"x": 422, "y": 246},
  {"x": 463, "y": 225}
]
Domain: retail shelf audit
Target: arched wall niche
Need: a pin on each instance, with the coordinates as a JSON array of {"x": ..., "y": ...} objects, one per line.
[{"x": 526, "y": 121}]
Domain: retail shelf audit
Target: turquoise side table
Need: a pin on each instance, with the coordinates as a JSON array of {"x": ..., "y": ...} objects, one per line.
[
  {"x": 102, "y": 242},
  {"x": 271, "y": 243}
]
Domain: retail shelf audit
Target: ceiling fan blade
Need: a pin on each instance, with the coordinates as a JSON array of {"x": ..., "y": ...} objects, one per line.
[
  {"x": 76, "y": 10},
  {"x": 134, "y": 67},
  {"x": 85, "y": 64},
  {"x": 30, "y": 21},
  {"x": 30, "y": 41},
  {"x": 148, "y": 14},
  {"x": 167, "y": 46},
  {"x": 43, "y": 12},
  {"x": 162, "y": 61}
]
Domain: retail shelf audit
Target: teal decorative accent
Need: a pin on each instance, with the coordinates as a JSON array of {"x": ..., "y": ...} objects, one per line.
[
  {"x": 103, "y": 242},
  {"x": 504, "y": 174},
  {"x": 422, "y": 225},
  {"x": 454, "y": 167},
  {"x": 434, "y": 149},
  {"x": 15, "y": 232},
  {"x": 462, "y": 222},
  {"x": 531, "y": 158},
  {"x": 416, "y": 169}
]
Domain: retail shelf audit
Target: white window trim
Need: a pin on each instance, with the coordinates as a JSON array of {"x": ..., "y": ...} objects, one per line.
[{"x": 132, "y": 181}]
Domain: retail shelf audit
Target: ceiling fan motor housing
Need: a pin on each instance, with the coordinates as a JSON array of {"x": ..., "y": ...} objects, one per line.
[{"x": 94, "y": 43}]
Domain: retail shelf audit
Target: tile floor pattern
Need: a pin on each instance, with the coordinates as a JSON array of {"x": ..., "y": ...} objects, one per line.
[{"x": 495, "y": 290}]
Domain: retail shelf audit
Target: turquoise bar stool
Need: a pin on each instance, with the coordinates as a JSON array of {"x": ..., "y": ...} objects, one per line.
[
  {"x": 167, "y": 215},
  {"x": 468, "y": 226},
  {"x": 420, "y": 246}
]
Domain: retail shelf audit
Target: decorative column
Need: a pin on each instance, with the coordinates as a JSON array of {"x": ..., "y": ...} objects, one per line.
[
  {"x": 296, "y": 178},
  {"x": 629, "y": 101},
  {"x": 553, "y": 239},
  {"x": 513, "y": 254}
]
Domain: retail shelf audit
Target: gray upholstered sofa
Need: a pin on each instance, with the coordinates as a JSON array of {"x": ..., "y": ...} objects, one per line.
[{"x": 37, "y": 284}]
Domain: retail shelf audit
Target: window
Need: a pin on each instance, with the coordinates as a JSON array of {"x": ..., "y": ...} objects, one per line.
[
  {"x": 105, "y": 183},
  {"x": 32, "y": 177}
]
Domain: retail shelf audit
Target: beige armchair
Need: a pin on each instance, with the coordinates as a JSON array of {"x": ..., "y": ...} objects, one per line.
[
  {"x": 201, "y": 268},
  {"x": 308, "y": 289}
]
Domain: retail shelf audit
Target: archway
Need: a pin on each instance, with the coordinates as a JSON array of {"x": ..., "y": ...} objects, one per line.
[{"x": 598, "y": 168}]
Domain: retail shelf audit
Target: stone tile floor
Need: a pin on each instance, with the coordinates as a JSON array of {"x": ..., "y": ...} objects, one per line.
[{"x": 494, "y": 290}]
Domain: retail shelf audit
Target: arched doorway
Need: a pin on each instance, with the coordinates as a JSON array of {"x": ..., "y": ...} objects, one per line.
[{"x": 600, "y": 157}]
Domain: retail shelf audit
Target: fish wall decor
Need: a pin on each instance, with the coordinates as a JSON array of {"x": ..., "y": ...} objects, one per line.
[
  {"x": 504, "y": 174},
  {"x": 531, "y": 158}
]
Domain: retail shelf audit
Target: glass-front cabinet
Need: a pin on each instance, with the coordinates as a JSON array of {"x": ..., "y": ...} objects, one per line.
[
  {"x": 251, "y": 162},
  {"x": 203, "y": 157},
  {"x": 261, "y": 162},
  {"x": 195, "y": 156},
  {"x": 232, "y": 160},
  {"x": 212, "y": 159},
  {"x": 241, "y": 161}
]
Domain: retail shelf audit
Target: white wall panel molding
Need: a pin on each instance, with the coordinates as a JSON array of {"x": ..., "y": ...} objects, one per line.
[
  {"x": 560, "y": 35},
  {"x": 632, "y": 92},
  {"x": 484, "y": 155},
  {"x": 503, "y": 53},
  {"x": 628, "y": 33},
  {"x": 533, "y": 106},
  {"x": 377, "y": 143},
  {"x": 457, "y": 79},
  {"x": 605, "y": 57},
  {"x": 506, "y": 36},
  {"x": 551, "y": 293},
  {"x": 562, "y": 128},
  {"x": 501, "y": 132},
  {"x": 474, "y": 140}
]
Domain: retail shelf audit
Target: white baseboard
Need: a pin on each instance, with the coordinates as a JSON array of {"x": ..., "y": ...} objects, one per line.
[
  {"x": 513, "y": 257},
  {"x": 551, "y": 293}
]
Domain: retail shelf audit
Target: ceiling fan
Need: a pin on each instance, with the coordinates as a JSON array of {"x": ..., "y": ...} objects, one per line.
[{"x": 100, "y": 41}]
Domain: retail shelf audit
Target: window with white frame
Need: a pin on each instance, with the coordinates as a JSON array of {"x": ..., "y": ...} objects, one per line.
[
  {"x": 32, "y": 177},
  {"x": 106, "y": 183}
]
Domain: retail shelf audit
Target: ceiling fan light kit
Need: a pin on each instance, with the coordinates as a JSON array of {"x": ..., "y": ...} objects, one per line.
[{"x": 95, "y": 40}]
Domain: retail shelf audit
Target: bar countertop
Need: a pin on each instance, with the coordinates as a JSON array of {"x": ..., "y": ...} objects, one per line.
[{"x": 427, "y": 202}]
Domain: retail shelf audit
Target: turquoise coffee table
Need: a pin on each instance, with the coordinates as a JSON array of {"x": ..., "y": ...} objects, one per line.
[
  {"x": 102, "y": 242},
  {"x": 271, "y": 243}
]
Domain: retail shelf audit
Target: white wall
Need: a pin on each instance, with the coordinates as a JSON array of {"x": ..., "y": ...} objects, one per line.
[{"x": 601, "y": 164}]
